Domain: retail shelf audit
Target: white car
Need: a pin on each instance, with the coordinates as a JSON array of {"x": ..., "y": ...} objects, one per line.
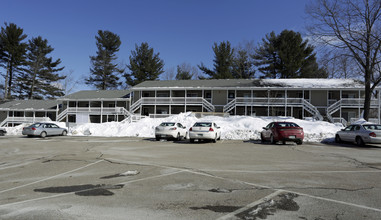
[
  {"x": 204, "y": 131},
  {"x": 360, "y": 133},
  {"x": 170, "y": 130}
]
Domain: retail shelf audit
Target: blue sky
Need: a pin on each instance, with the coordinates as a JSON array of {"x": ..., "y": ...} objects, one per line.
[{"x": 180, "y": 30}]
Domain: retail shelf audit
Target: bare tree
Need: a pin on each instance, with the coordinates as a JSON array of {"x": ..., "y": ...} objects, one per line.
[
  {"x": 354, "y": 28},
  {"x": 69, "y": 83}
]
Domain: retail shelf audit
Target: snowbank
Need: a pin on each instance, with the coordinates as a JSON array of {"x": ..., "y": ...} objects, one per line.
[{"x": 232, "y": 128}]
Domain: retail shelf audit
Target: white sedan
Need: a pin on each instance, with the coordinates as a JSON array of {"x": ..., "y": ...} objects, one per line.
[
  {"x": 360, "y": 133},
  {"x": 170, "y": 130},
  {"x": 204, "y": 131}
]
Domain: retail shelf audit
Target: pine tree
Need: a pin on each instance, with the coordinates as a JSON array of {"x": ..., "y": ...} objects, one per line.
[
  {"x": 287, "y": 56},
  {"x": 223, "y": 62},
  {"x": 40, "y": 78},
  {"x": 266, "y": 58},
  {"x": 12, "y": 54},
  {"x": 104, "y": 71},
  {"x": 144, "y": 65}
]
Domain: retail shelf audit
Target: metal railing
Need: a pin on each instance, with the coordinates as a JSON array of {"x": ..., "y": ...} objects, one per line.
[
  {"x": 264, "y": 101},
  {"x": 23, "y": 120},
  {"x": 348, "y": 103},
  {"x": 172, "y": 101}
]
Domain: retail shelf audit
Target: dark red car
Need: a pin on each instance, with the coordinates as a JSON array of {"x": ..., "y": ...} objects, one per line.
[{"x": 282, "y": 131}]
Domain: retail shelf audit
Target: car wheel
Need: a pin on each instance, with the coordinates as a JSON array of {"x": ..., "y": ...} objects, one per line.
[
  {"x": 337, "y": 139},
  {"x": 1, "y": 133},
  {"x": 178, "y": 138},
  {"x": 64, "y": 133},
  {"x": 191, "y": 140},
  {"x": 262, "y": 139},
  {"x": 215, "y": 139},
  {"x": 283, "y": 142},
  {"x": 157, "y": 138},
  {"x": 299, "y": 142},
  {"x": 272, "y": 140},
  {"x": 359, "y": 141},
  {"x": 43, "y": 134}
]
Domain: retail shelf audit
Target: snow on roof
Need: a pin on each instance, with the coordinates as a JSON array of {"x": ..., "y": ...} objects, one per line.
[
  {"x": 252, "y": 83},
  {"x": 314, "y": 83}
]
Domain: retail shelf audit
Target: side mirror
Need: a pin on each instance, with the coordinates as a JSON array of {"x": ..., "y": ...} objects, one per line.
[
  {"x": 264, "y": 128},
  {"x": 343, "y": 129}
]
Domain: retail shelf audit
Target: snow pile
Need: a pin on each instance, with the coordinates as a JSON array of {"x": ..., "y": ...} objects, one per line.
[{"x": 232, "y": 128}]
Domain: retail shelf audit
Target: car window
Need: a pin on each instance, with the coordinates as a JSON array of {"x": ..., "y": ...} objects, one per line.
[
  {"x": 349, "y": 128},
  {"x": 54, "y": 126},
  {"x": 179, "y": 125},
  {"x": 165, "y": 124},
  {"x": 202, "y": 124},
  {"x": 269, "y": 125},
  {"x": 35, "y": 125},
  {"x": 287, "y": 124},
  {"x": 372, "y": 127},
  {"x": 357, "y": 127}
]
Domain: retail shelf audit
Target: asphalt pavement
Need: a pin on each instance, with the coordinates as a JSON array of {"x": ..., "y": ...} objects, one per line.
[{"x": 76, "y": 177}]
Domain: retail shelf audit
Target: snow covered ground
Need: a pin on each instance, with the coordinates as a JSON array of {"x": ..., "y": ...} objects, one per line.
[{"x": 232, "y": 128}]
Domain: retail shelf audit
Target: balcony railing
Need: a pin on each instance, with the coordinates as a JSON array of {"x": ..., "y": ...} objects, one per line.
[
  {"x": 264, "y": 101},
  {"x": 105, "y": 110}
]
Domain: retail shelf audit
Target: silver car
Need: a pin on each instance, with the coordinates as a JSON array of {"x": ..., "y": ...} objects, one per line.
[
  {"x": 361, "y": 134},
  {"x": 44, "y": 129}
]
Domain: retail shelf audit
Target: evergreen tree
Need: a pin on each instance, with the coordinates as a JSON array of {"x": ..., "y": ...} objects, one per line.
[
  {"x": 223, "y": 62},
  {"x": 287, "y": 56},
  {"x": 104, "y": 71},
  {"x": 242, "y": 65},
  {"x": 40, "y": 78},
  {"x": 12, "y": 54},
  {"x": 266, "y": 58},
  {"x": 144, "y": 65}
]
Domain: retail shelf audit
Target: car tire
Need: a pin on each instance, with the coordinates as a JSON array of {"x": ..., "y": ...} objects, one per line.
[
  {"x": 191, "y": 140},
  {"x": 178, "y": 137},
  {"x": 359, "y": 141},
  {"x": 64, "y": 133},
  {"x": 157, "y": 138},
  {"x": 43, "y": 134},
  {"x": 338, "y": 139},
  {"x": 215, "y": 139},
  {"x": 299, "y": 142},
  {"x": 2, "y": 133},
  {"x": 272, "y": 140},
  {"x": 262, "y": 139}
]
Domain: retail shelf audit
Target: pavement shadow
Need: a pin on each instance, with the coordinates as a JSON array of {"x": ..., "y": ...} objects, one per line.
[{"x": 329, "y": 142}]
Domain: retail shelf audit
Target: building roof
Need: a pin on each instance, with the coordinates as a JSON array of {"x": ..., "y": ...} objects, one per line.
[
  {"x": 252, "y": 83},
  {"x": 97, "y": 95},
  {"x": 32, "y": 105}
]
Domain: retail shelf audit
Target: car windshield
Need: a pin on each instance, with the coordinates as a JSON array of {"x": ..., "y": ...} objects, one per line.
[
  {"x": 202, "y": 124},
  {"x": 287, "y": 124},
  {"x": 165, "y": 124},
  {"x": 372, "y": 127},
  {"x": 35, "y": 125}
]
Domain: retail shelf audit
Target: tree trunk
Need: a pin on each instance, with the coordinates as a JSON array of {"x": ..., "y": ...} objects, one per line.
[
  {"x": 368, "y": 96},
  {"x": 6, "y": 83}
]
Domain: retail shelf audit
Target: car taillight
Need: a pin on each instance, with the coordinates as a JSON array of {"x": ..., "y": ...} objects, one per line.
[
  {"x": 172, "y": 129},
  {"x": 34, "y": 129},
  {"x": 211, "y": 129},
  {"x": 190, "y": 129},
  {"x": 372, "y": 134}
]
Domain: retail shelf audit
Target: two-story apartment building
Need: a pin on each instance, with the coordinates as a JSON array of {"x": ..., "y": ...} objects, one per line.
[
  {"x": 95, "y": 106},
  {"x": 334, "y": 100}
]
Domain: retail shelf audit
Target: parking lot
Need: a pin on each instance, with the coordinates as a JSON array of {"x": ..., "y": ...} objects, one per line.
[{"x": 136, "y": 178}]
